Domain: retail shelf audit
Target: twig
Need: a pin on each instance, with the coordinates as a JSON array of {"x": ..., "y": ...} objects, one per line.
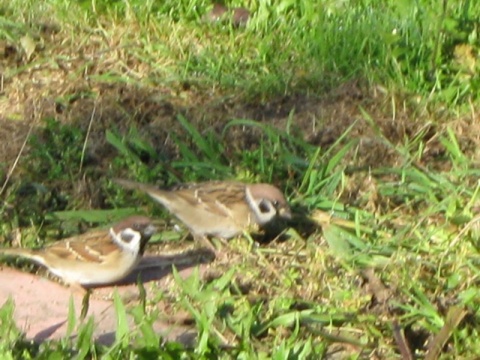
[
  {"x": 454, "y": 316},
  {"x": 15, "y": 163},
  {"x": 402, "y": 342},
  {"x": 86, "y": 137}
]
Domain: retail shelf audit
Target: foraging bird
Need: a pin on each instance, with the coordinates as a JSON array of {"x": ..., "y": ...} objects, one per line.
[
  {"x": 97, "y": 257},
  {"x": 219, "y": 208}
]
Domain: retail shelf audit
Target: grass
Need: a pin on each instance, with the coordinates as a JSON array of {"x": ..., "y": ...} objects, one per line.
[{"x": 362, "y": 111}]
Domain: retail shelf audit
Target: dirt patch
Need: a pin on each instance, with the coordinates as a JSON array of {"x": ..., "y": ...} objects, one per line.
[{"x": 320, "y": 121}]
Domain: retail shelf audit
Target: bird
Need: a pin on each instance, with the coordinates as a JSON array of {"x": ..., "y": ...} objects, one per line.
[
  {"x": 95, "y": 258},
  {"x": 223, "y": 209}
]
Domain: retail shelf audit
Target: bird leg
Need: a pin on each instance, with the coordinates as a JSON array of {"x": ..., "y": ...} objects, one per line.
[{"x": 204, "y": 240}]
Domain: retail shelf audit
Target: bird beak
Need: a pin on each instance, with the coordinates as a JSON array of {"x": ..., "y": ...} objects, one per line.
[
  {"x": 285, "y": 213},
  {"x": 150, "y": 230}
]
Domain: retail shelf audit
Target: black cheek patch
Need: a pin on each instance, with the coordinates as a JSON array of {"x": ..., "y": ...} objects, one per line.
[
  {"x": 127, "y": 237},
  {"x": 264, "y": 207}
]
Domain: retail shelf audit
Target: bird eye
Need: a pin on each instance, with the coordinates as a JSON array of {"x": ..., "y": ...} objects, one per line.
[{"x": 275, "y": 203}]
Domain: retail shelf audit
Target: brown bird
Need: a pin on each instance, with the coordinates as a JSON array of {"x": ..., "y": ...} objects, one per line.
[
  {"x": 97, "y": 257},
  {"x": 219, "y": 208}
]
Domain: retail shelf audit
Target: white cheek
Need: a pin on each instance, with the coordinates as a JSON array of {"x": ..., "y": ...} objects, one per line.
[
  {"x": 133, "y": 245},
  {"x": 261, "y": 216}
]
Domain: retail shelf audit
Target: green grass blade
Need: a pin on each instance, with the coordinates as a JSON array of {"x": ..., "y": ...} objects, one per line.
[{"x": 122, "y": 331}]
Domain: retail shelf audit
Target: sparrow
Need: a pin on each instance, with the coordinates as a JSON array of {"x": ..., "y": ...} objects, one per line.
[
  {"x": 222, "y": 209},
  {"x": 97, "y": 257}
]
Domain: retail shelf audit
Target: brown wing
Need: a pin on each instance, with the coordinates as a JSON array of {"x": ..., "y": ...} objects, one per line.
[
  {"x": 215, "y": 197},
  {"x": 92, "y": 246}
]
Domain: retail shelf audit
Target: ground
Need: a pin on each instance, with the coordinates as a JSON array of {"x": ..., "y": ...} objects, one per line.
[{"x": 381, "y": 205}]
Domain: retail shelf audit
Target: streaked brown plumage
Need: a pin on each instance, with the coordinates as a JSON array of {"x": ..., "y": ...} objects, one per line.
[
  {"x": 96, "y": 257},
  {"x": 219, "y": 208}
]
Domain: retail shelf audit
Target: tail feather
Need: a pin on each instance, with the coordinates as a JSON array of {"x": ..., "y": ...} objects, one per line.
[
  {"x": 161, "y": 196},
  {"x": 133, "y": 185},
  {"x": 24, "y": 253}
]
